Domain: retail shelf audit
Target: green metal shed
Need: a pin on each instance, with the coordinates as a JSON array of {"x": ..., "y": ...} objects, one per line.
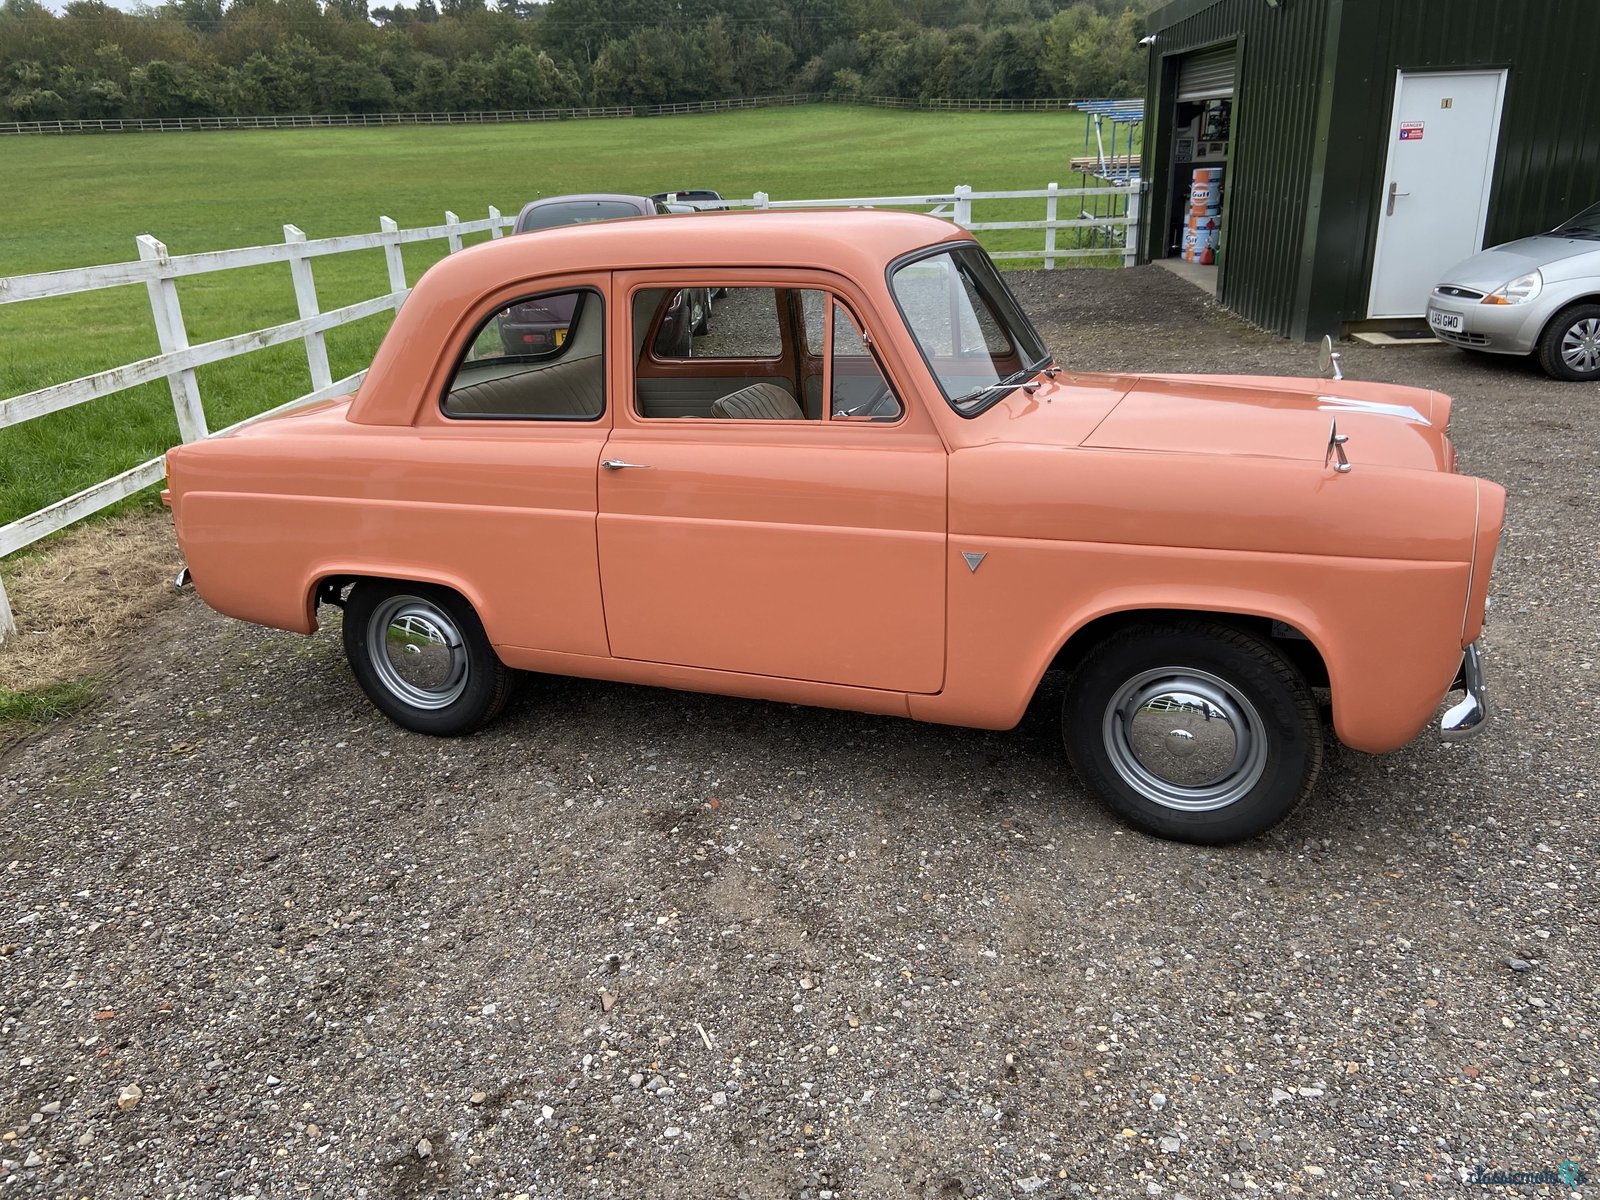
[{"x": 1364, "y": 146}]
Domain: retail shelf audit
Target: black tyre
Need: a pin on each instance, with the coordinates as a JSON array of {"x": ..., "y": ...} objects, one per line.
[
  {"x": 1569, "y": 348},
  {"x": 420, "y": 654},
  {"x": 1193, "y": 731}
]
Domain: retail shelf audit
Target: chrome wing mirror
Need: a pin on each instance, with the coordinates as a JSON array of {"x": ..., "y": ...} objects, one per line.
[
  {"x": 1335, "y": 457},
  {"x": 1328, "y": 359}
]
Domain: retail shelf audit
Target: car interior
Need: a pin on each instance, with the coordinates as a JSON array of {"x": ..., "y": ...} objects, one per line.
[
  {"x": 563, "y": 382},
  {"x": 762, "y": 360}
]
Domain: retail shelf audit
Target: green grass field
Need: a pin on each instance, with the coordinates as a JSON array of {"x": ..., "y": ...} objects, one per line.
[{"x": 76, "y": 201}]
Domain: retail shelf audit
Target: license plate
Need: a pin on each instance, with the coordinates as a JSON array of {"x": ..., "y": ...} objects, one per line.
[
  {"x": 561, "y": 334},
  {"x": 1449, "y": 322}
]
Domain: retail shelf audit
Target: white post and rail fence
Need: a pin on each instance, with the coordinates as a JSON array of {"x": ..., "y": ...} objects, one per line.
[{"x": 1113, "y": 235}]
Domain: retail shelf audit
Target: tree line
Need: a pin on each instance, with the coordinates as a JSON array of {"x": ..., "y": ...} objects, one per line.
[{"x": 263, "y": 57}]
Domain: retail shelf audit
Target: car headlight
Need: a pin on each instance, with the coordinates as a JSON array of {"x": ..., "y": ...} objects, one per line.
[{"x": 1519, "y": 291}]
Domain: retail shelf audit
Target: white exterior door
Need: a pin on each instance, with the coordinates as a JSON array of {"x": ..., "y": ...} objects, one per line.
[{"x": 1436, "y": 188}]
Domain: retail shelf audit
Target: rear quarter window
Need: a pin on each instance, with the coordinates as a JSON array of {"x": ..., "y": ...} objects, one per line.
[{"x": 541, "y": 358}]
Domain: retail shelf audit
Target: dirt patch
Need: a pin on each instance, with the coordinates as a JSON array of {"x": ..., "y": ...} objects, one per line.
[{"x": 79, "y": 601}]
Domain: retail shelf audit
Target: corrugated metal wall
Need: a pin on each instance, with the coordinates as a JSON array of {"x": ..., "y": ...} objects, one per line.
[
  {"x": 1548, "y": 161},
  {"x": 1312, "y": 111},
  {"x": 1268, "y": 182}
]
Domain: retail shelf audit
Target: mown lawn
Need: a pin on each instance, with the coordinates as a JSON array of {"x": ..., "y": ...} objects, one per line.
[{"x": 81, "y": 200}]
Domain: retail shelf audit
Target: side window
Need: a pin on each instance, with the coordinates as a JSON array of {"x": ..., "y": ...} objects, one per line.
[
  {"x": 735, "y": 322},
  {"x": 541, "y": 358},
  {"x": 859, "y": 390},
  {"x": 754, "y": 354}
]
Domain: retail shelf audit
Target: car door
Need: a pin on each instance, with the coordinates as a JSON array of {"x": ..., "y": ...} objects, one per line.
[
  {"x": 500, "y": 500},
  {"x": 788, "y": 545}
]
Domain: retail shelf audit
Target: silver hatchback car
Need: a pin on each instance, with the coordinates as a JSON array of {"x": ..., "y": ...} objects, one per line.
[{"x": 1539, "y": 295}]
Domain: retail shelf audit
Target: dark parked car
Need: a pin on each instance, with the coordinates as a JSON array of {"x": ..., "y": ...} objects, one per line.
[
  {"x": 589, "y": 206},
  {"x": 539, "y": 326}
]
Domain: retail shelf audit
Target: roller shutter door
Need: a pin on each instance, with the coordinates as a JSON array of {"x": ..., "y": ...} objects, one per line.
[{"x": 1207, "y": 75}]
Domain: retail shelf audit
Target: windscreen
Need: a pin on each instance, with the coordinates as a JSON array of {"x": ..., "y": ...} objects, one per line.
[
  {"x": 1585, "y": 225},
  {"x": 969, "y": 327}
]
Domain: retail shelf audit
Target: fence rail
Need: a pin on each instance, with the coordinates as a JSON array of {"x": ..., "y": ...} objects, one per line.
[
  {"x": 1110, "y": 235},
  {"x": 176, "y": 363},
  {"x": 511, "y": 115},
  {"x": 1115, "y": 234}
]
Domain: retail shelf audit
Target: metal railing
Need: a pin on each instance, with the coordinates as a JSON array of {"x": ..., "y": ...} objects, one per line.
[{"x": 1111, "y": 235}]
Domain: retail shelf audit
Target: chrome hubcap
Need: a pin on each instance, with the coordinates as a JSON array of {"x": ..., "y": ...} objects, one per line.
[
  {"x": 1185, "y": 739},
  {"x": 417, "y": 652},
  {"x": 1580, "y": 348}
]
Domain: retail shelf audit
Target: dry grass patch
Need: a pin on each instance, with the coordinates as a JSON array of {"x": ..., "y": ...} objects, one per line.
[{"x": 77, "y": 602}]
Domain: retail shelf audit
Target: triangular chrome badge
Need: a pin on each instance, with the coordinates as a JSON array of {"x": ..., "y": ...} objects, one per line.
[{"x": 974, "y": 559}]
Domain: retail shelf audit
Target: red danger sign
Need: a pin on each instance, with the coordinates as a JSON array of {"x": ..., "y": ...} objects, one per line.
[{"x": 1411, "y": 131}]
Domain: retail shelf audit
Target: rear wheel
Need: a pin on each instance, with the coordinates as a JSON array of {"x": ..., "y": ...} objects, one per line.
[
  {"x": 1569, "y": 348},
  {"x": 420, "y": 654},
  {"x": 1193, "y": 731}
]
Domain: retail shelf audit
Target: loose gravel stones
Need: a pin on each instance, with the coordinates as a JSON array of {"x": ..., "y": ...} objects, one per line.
[{"x": 256, "y": 941}]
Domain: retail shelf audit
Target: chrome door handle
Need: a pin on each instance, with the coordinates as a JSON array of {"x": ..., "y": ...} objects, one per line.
[
  {"x": 616, "y": 464},
  {"x": 1394, "y": 192}
]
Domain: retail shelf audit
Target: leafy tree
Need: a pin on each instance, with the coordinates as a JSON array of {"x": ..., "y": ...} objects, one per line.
[
  {"x": 166, "y": 89},
  {"x": 763, "y": 66},
  {"x": 184, "y": 57}
]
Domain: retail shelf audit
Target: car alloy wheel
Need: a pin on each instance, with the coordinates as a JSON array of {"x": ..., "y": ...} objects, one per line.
[
  {"x": 1184, "y": 739},
  {"x": 1569, "y": 348},
  {"x": 1192, "y": 729},
  {"x": 1580, "y": 346},
  {"x": 417, "y": 652},
  {"x": 420, "y": 654}
]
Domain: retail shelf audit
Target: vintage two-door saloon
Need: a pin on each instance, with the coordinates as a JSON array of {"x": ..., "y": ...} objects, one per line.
[{"x": 871, "y": 488}]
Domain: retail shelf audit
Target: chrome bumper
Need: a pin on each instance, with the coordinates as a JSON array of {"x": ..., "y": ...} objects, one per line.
[{"x": 1467, "y": 719}]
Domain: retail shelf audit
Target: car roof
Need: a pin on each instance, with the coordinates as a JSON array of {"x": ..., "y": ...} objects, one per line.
[{"x": 852, "y": 238}]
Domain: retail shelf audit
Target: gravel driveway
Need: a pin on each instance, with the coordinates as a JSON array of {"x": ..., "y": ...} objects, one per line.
[{"x": 254, "y": 940}]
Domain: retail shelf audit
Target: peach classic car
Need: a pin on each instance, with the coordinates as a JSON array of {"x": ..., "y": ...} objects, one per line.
[{"x": 874, "y": 489}]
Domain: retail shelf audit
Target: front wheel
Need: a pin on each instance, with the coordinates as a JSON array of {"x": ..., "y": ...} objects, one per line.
[
  {"x": 1569, "y": 348},
  {"x": 1193, "y": 731},
  {"x": 420, "y": 654}
]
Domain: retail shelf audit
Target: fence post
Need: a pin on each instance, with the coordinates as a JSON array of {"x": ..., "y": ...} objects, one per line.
[
  {"x": 1130, "y": 234},
  {"x": 391, "y": 253},
  {"x": 963, "y": 214},
  {"x": 305, "y": 295},
  {"x": 760, "y": 199},
  {"x": 173, "y": 337},
  {"x": 8, "y": 623},
  {"x": 1050, "y": 230},
  {"x": 454, "y": 235},
  {"x": 494, "y": 222}
]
